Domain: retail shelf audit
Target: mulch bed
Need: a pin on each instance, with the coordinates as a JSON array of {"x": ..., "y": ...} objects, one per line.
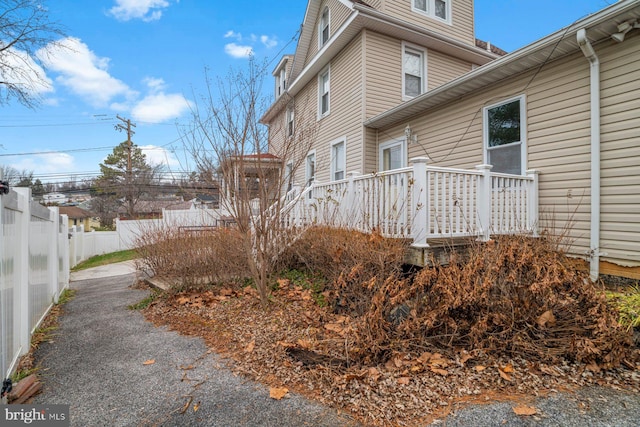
[{"x": 294, "y": 343}]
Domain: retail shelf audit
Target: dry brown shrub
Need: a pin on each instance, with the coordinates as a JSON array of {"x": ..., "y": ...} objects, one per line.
[
  {"x": 515, "y": 296},
  {"x": 193, "y": 257},
  {"x": 354, "y": 264}
]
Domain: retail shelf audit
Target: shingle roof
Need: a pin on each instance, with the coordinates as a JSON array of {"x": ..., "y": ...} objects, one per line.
[{"x": 74, "y": 212}]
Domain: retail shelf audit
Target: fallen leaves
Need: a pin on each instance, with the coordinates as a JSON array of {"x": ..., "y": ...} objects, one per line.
[
  {"x": 524, "y": 410},
  {"x": 149, "y": 362},
  {"x": 277, "y": 393},
  {"x": 546, "y": 319}
]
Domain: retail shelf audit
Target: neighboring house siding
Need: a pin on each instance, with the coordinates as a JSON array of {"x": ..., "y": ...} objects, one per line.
[
  {"x": 442, "y": 68},
  {"x": 338, "y": 15},
  {"x": 462, "y": 18},
  {"x": 620, "y": 154}
]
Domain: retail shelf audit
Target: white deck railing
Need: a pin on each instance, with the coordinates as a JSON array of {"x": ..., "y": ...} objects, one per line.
[{"x": 422, "y": 203}]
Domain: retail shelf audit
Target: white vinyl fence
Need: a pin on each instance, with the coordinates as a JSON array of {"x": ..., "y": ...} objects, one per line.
[{"x": 34, "y": 270}]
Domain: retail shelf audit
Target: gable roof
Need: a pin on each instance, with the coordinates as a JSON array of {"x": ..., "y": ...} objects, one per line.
[
  {"x": 74, "y": 212},
  {"x": 563, "y": 42},
  {"x": 361, "y": 17}
]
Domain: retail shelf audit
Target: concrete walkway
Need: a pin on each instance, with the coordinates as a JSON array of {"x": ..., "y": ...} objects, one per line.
[{"x": 96, "y": 364}]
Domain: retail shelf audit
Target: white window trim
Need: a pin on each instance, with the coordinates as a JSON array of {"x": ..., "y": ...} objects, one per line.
[
  {"x": 423, "y": 52},
  {"x": 385, "y": 145},
  {"x": 307, "y": 175},
  {"x": 332, "y": 144},
  {"x": 523, "y": 130},
  {"x": 290, "y": 117},
  {"x": 326, "y": 71},
  {"x": 280, "y": 80},
  {"x": 320, "y": 42},
  {"x": 289, "y": 178},
  {"x": 430, "y": 13}
]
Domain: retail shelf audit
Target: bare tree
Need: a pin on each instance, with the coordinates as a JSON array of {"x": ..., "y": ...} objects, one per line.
[
  {"x": 231, "y": 147},
  {"x": 25, "y": 29}
]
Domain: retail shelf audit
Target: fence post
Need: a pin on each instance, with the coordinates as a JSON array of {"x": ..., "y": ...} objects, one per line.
[
  {"x": 63, "y": 230},
  {"x": 484, "y": 202},
  {"x": 532, "y": 199},
  {"x": 21, "y": 270},
  {"x": 420, "y": 207},
  {"x": 53, "y": 253}
]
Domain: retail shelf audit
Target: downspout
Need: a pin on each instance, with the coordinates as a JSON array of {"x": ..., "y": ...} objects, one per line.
[{"x": 590, "y": 54}]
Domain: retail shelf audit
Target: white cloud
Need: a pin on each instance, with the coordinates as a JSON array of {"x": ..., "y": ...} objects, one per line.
[
  {"x": 238, "y": 51},
  {"x": 83, "y": 72},
  {"x": 232, "y": 34},
  {"x": 46, "y": 163},
  {"x": 146, "y": 10},
  {"x": 159, "y": 156},
  {"x": 20, "y": 68},
  {"x": 158, "y": 106},
  {"x": 269, "y": 42}
]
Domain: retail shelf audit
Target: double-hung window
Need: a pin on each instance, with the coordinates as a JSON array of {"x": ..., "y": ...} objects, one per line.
[
  {"x": 505, "y": 136},
  {"x": 338, "y": 159},
  {"x": 439, "y": 9},
  {"x": 413, "y": 71},
  {"x": 323, "y": 28},
  {"x": 290, "y": 121},
  {"x": 323, "y": 93}
]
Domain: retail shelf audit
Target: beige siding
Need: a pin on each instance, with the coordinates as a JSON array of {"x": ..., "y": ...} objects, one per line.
[
  {"x": 620, "y": 153},
  {"x": 461, "y": 27},
  {"x": 442, "y": 68},
  {"x": 557, "y": 139},
  {"x": 383, "y": 73},
  {"x": 338, "y": 14}
]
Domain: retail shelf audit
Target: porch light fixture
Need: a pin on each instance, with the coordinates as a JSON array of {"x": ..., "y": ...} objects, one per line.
[
  {"x": 408, "y": 134},
  {"x": 623, "y": 29}
]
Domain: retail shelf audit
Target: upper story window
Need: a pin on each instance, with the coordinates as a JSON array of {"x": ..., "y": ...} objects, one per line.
[
  {"x": 505, "y": 136},
  {"x": 290, "y": 121},
  {"x": 281, "y": 81},
  {"x": 323, "y": 28},
  {"x": 323, "y": 93},
  {"x": 413, "y": 72},
  {"x": 439, "y": 9}
]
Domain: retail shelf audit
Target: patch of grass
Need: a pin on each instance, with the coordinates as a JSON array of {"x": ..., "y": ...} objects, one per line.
[
  {"x": 628, "y": 304},
  {"x": 98, "y": 260},
  {"x": 141, "y": 305},
  {"x": 311, "y": 281},
  {"x": 22, "y": 373},
  {"x": 66, "y": 296}
]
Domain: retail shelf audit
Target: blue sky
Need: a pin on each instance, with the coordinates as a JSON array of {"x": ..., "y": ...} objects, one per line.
[{"x": 145, "y": 60}]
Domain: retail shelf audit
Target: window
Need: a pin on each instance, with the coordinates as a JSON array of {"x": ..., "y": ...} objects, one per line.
[
  {"x": 290, "y": 121},
  {"x": 392, "y": 155},
  {"x": 504, "y": 135},
  {"x": 439, "y": 9},
  {"x": 323, "y": 93},
  {"x": 413, "y": 70},
  {"x": 281, "y": 79},
  {"x": 288, "y": 176},
  {"x": 310, "y": 173},
  {"x": 338, "y": 160},
  {"x": 323, "y": 28}
]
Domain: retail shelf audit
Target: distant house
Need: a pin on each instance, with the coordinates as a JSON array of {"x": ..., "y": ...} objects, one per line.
[
  {"x": 78, "y": 216},
  {"x": 392, "y": 81},
  {"x": 149, "y": 209},
  {"x": 206, "y": 201},
  {"x": 54, "y": 198}
]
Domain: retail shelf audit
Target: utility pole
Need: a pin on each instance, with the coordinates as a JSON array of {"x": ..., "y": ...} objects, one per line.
[{"x": 127, "y": 128}]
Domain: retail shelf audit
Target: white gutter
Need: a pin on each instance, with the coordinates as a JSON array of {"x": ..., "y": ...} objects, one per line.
[{"x": 590, "y": 54}]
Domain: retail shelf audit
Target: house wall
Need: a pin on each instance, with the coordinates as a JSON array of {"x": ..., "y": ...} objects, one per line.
[
  {"x": 338, "y": 14},
  {"x": 461, "y": 27},
  {"x": 558, "y": 144}
]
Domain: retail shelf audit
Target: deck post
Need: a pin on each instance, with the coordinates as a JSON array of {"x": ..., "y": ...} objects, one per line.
[
  {"x": 420, "y": 203},
  {"x": 351, "y": 202},
  {"x": 484, "y": 202},
  {"x": 532, "y": 198}
]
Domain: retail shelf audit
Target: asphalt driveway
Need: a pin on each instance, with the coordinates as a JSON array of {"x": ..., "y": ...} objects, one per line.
[{"x": 96, "y": 365}]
